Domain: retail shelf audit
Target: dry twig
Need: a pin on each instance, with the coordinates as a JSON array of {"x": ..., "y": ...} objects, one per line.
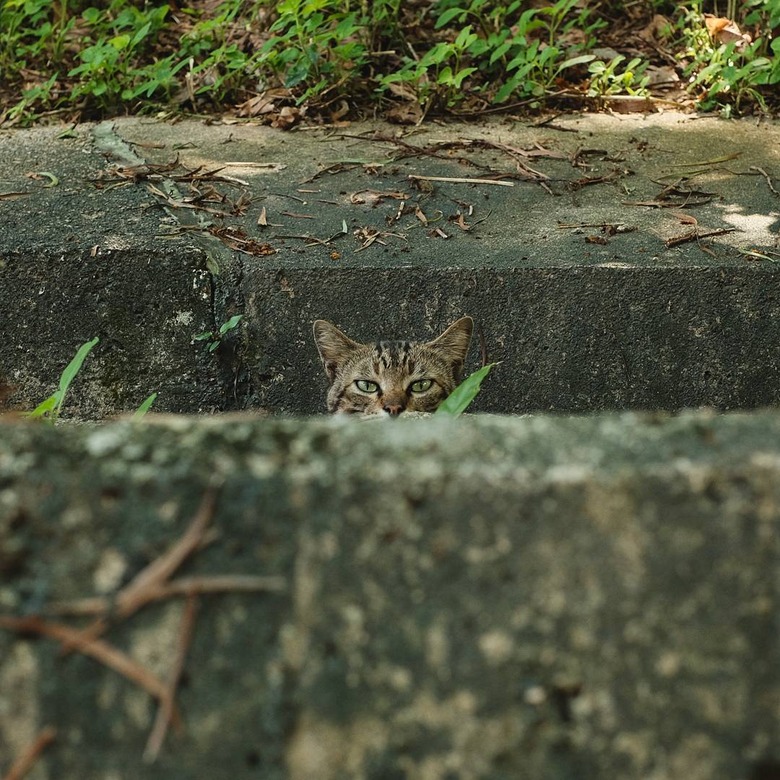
[
  {"x": 767, "y": 177},
  {"x": 26, "y": 761},
  {"x": 149, "y": 581},
  {"x": 695, "y": 235},
  {"x": 168, "y": 702},
  {"x": 459, "y": 180},
  {"x": 104, "y": 652}
]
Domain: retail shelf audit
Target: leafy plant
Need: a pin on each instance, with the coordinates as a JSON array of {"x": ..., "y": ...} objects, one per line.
[
  {"x": 49, "y": 409},
  {"x": 606, "y": 79},
  {"x": 461, "y": 397},
  {"x": 730, "y": 73},
  {"x": 316, "y": 44},
  {"x": 215, "y": 337}
]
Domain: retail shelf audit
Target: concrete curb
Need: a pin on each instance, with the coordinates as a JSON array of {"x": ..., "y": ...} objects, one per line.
[{"x": 601, "y": 316}]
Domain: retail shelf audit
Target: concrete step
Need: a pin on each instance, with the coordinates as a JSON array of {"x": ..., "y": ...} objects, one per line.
[
  {"x": 522, "y": 599},
  {"x": 583, "y": 318}
]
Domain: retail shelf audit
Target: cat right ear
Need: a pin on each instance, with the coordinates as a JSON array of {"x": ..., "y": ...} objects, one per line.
[{"x": 333, "y": 345}]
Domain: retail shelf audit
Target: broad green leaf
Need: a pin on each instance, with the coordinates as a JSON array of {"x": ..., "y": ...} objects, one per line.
[
  {"x": 581, "y": 60},
  {"x": 449, "y": 15},
  {"x": 459, "y": 399},
  {"x": 207, "y": 334},
  {"x": 230, "y": 324},
  {"x": 120, "y": 42}
]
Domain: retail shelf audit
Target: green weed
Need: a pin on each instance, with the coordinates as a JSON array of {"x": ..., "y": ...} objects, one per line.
[
  {"x": 607, "y": 79},
  {"x": 461, "y": 397},
  {"x": 731, "y": 74},
  {"x": 120, "y": 55},
  {"x": 50, "y": 408},
  {"x": 145, "y": 406},
  {"x": 215, "y": 337}
]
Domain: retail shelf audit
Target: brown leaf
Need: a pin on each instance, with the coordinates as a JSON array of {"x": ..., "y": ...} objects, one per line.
[
  {"x": 262, "y": 220},
  {"x": 659, "y": 29},
  {"x": 418, "y": 212},
  {"x": 288, "y": 117},
  {"x": 596, "y": 240},
  {"x": 460, "y": 222},
  {"x": 404, "y": 113},
  {"x": 723, "y": 30},
  {"x": 375, "y": 197},
  {"x": 686, "y": 219}
]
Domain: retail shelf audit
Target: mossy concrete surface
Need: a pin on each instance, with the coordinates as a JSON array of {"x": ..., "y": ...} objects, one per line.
[
  {"x": 604, "y": 277},
  {"x": 542, "y": 598}
]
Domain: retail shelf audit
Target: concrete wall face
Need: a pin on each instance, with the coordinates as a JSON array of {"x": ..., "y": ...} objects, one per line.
[
  {"x": 488, "y": 598},
  {"x": 571, "y": 340}
]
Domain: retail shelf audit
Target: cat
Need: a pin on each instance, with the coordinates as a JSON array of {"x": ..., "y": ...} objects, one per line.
[{"x": 391, "y": 377}]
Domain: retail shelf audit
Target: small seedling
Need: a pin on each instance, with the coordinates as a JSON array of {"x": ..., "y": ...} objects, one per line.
[
  {"x": 461, "y": 397},
  {"x": 215, "y": 337},
  {"x": 49, "y": 409}
]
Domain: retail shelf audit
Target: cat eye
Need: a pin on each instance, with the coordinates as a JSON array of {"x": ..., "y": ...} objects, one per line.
[
  {"x": 367, "y": 386},
  {"x": 421, "y": 385}
]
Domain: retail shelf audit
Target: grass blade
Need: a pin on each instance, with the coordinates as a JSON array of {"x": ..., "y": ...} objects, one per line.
[
  {"x": 459, "y": 399},
  {"x": 144, "y": 407},
  {"x": 69, "y": 374}
]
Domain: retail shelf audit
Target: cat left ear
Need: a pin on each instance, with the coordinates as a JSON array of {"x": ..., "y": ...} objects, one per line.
[
  {"x": 454, "y": 342},
  {"x": 333, "y": 345}
]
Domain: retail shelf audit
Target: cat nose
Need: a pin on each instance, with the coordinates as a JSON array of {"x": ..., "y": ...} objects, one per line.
[{"x": 393, "y": 409}]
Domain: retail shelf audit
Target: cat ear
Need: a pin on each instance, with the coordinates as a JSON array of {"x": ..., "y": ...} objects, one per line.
[
  {"x": 333, "y": 345},
  {"x": 454, "y": 342}
]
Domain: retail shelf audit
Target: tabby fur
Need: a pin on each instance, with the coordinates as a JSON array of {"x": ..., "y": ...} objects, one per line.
[{"x": 391, "y": 377}]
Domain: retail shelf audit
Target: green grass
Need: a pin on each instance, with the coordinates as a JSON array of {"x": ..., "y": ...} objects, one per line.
[
  {"x": 78, "y": 60},
  {"x": 49, "y": 409},
  {"x": 461, "y": 397}
]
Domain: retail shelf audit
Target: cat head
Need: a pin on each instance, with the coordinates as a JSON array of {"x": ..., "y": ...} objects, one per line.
[{"x": 391, "y": 377}]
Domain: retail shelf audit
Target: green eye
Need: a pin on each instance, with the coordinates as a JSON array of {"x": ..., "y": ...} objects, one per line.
[
  {"x": 421, "y": 385},
  {"x": 367, "y": 386}
]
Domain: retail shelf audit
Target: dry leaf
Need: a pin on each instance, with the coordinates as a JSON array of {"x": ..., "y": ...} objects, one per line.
[
  {"x": 659, "y": 29},
  {"x": 723, "y": 30},
  {"x": 288, "y": 117},
  {"x": 460, "y": 222},
  {"x": 596, "y": 240},
  {"x": 404, "y": 113},
  {"x": 686, "y": 219},
  {"x": 262, "y": 220}
]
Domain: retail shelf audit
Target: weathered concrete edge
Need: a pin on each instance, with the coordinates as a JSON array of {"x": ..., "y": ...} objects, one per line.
[{"x": 641, "y": 552}]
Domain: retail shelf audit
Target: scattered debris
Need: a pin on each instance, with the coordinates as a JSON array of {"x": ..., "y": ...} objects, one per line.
[
  {"x": 368, "y": 236},
  {"x": 610, "y": 228},
  {"x": 237, "y": 238},
  {"x": 677, "y": 195}
]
